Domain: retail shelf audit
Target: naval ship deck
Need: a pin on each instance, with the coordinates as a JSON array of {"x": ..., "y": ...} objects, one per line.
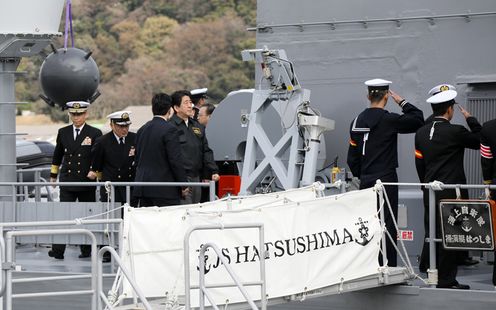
[{"x": 413, "y": 294}]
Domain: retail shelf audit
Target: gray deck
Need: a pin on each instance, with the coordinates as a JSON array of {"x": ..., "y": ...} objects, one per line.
[{"x": 414, "y": 295}]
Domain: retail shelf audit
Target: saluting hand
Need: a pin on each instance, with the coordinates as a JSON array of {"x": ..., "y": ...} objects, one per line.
[
  {"x": 397, "y": 98},
  {"x": 215, "y": 177},
  {"x": 91, "y": 175},
  {"x": 465, "y": 113}
]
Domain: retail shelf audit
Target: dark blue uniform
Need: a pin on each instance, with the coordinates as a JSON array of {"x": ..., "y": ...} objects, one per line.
[
  {"x": 197, "y": 156},
  {"x": 439, "y": 152},
  {"x": 115, "y": 162},
  {"x": 373, "y": 154},
  {"x": 488, "y": 151},
  {"x": 158, "y": 159},
  {"x": 75, "y": 158}
]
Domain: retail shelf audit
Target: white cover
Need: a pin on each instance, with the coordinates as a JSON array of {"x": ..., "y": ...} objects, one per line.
[
  {"x": 30, "y": 16},
  {"x": 153, "y": 244}
]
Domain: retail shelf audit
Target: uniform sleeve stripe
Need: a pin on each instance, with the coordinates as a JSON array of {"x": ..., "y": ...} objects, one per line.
[
  {"x": 486, "y": 155},
  {"x": 418, "y": 154},
  {"x": 485, "y": 147},
  {"x": 352, "y": 143}
]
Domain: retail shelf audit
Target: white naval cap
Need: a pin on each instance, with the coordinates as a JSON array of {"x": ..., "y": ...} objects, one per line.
[
  {"x": 441, "y": 87},
  {"x": 443, "y": 96},
  {"x": 120, "y": 118},
  {"x": 199, "y": 92},
  {"x": 378, "y": 84},
  {"x": 77, "y": 106}
]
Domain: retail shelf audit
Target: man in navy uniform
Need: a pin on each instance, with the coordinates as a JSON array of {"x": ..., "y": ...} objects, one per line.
[
  {"x": 199, "y": 99},
  {"x": 488, "y": 151},
  {"x": 73, "y": 152},
  {"x": 113, "y": 155},
  {"x": 373, "y": 149},
  {"x": 439, "y": 152},
  {"x": 197, "y": 157},
  {"x": 158, "y": 157}
]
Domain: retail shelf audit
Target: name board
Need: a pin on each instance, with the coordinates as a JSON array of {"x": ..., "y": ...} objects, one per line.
[{"x": 467, "y": 225}]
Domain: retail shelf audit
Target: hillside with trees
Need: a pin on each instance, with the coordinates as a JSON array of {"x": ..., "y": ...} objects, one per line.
[{"x": 147, "y": 46}]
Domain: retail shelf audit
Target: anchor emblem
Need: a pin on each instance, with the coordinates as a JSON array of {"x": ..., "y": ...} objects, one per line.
[{"x": 364, "y": 232}]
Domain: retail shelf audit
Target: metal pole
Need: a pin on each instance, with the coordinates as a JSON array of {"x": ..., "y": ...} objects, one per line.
[
  {"x": 432, "y": 235},
  {"x": 211, "y": 188},
  {"x": 37, "y": 192},
  {"x": 8, "y": 66}
]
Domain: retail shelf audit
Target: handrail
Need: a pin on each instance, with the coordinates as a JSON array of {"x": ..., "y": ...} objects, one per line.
[
  {"x": 237, "y": 281},
  {"x": 127, "y": 274},
  {"x": 398, "y": 20},
  {"x": 10, "y": 255},
  {"x": 187, "y": 279}
]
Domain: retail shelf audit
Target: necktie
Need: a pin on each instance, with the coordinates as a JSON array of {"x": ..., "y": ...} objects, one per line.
[
  {"x": 121, "y": 141},
  {"x": 77, "y": 133}
]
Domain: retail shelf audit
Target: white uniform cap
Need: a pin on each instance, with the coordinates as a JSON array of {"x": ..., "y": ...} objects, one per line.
[
  {"x": 120, "y": 118},
  {"x": 441, "y": 87},
  {"x": 378, "y": 83},
  {"x": 443, "y": 96},
  {"x": 77, "y": 106},
  {"x": 199, "y": 92}
]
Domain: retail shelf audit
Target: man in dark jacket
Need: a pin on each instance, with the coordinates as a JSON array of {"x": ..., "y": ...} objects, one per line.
[
  {"x": 73, "y": 152},
  {"x": 373, "y": 150},
  {"x": 488, "y": 151},
  {"x": 158, "y": 157},
  {"x": 113, "y": 155},
  {"x": 197, "y": 156},
  {"x": 439, "y": 151}
]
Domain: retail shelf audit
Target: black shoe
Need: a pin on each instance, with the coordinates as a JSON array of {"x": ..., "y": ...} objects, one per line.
[
  {"x": 84, "y": 255},
  {"x": 468, "y": 262},
  {"x": 456, "y": 286},
  {"x": 51, "y": 253}
]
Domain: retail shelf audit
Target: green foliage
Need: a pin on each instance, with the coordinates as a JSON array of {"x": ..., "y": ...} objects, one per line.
[{"x": 146, "y": 46}]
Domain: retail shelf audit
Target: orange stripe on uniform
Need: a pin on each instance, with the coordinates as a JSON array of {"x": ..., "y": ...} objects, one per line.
[
  {"x": 418, "y": 154},
  {"x": 352, "y": 143}
]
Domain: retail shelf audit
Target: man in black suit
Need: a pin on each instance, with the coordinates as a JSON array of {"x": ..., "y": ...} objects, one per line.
[
  {"x": 439, "y": 152},
  {"x": 158, "y": 157},
  {"x": 73, "y": 152},
  {"x": 114, "y": 154}
]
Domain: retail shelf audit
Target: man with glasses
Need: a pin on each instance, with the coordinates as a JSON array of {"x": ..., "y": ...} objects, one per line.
[{"x": 73, "y": 153}]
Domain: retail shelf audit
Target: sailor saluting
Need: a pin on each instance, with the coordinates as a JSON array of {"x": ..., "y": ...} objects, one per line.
[
  {"x": 439, "y": 152},
  {"x": 372, "y": 152}
]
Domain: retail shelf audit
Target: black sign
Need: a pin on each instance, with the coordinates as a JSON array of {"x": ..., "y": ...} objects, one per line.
[{"x": 466, "y": 225}]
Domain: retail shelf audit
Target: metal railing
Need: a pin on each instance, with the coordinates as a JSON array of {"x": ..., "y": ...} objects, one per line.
[
  {"x": 237, "y": 283},
  {"x": 432, "y": 239}
]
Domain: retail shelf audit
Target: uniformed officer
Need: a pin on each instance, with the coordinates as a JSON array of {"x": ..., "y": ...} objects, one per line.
[
  {"x": 436, "y": 90},
  {"x": 73, "y": 152},
  {"x": 439, "y": 151},
  {"x": 488, "y": 162},
  {"x": 373, "y": 153},
  {"x": 113, "y": 155},
  {"x": 199, "y": 99},
  {"x": 197, "y": 157}
]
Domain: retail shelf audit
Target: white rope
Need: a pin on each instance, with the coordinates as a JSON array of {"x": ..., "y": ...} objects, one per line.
[{"x": 436, "y": 185}]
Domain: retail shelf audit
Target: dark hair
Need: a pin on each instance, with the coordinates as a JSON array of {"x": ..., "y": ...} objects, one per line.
[
  {"x": 196, "y": 98},
  {"x": 441, "y": 108},
  {"x": 161, "y": 104},
  {"x": 209, "y": 108},
  {"x": 178, "y": 95},
  {"x": 377, "y": 94}
]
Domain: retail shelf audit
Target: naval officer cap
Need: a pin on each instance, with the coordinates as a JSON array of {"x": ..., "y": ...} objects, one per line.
[
  {"x": 121, "y": 118},
  {"x": 77, "y": 106},
  {"x": 440, "y": 88},
  {"x": 442, "y": 97},
  {"x": 377, "y": 84},
  {"x": 199, "y": 93}
]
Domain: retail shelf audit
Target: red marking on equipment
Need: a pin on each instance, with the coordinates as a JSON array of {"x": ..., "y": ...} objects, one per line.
[{"x": 405, "y": 235}]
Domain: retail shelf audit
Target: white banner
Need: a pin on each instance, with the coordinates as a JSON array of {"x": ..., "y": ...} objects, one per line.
[{"x": 309, "y": 243}]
